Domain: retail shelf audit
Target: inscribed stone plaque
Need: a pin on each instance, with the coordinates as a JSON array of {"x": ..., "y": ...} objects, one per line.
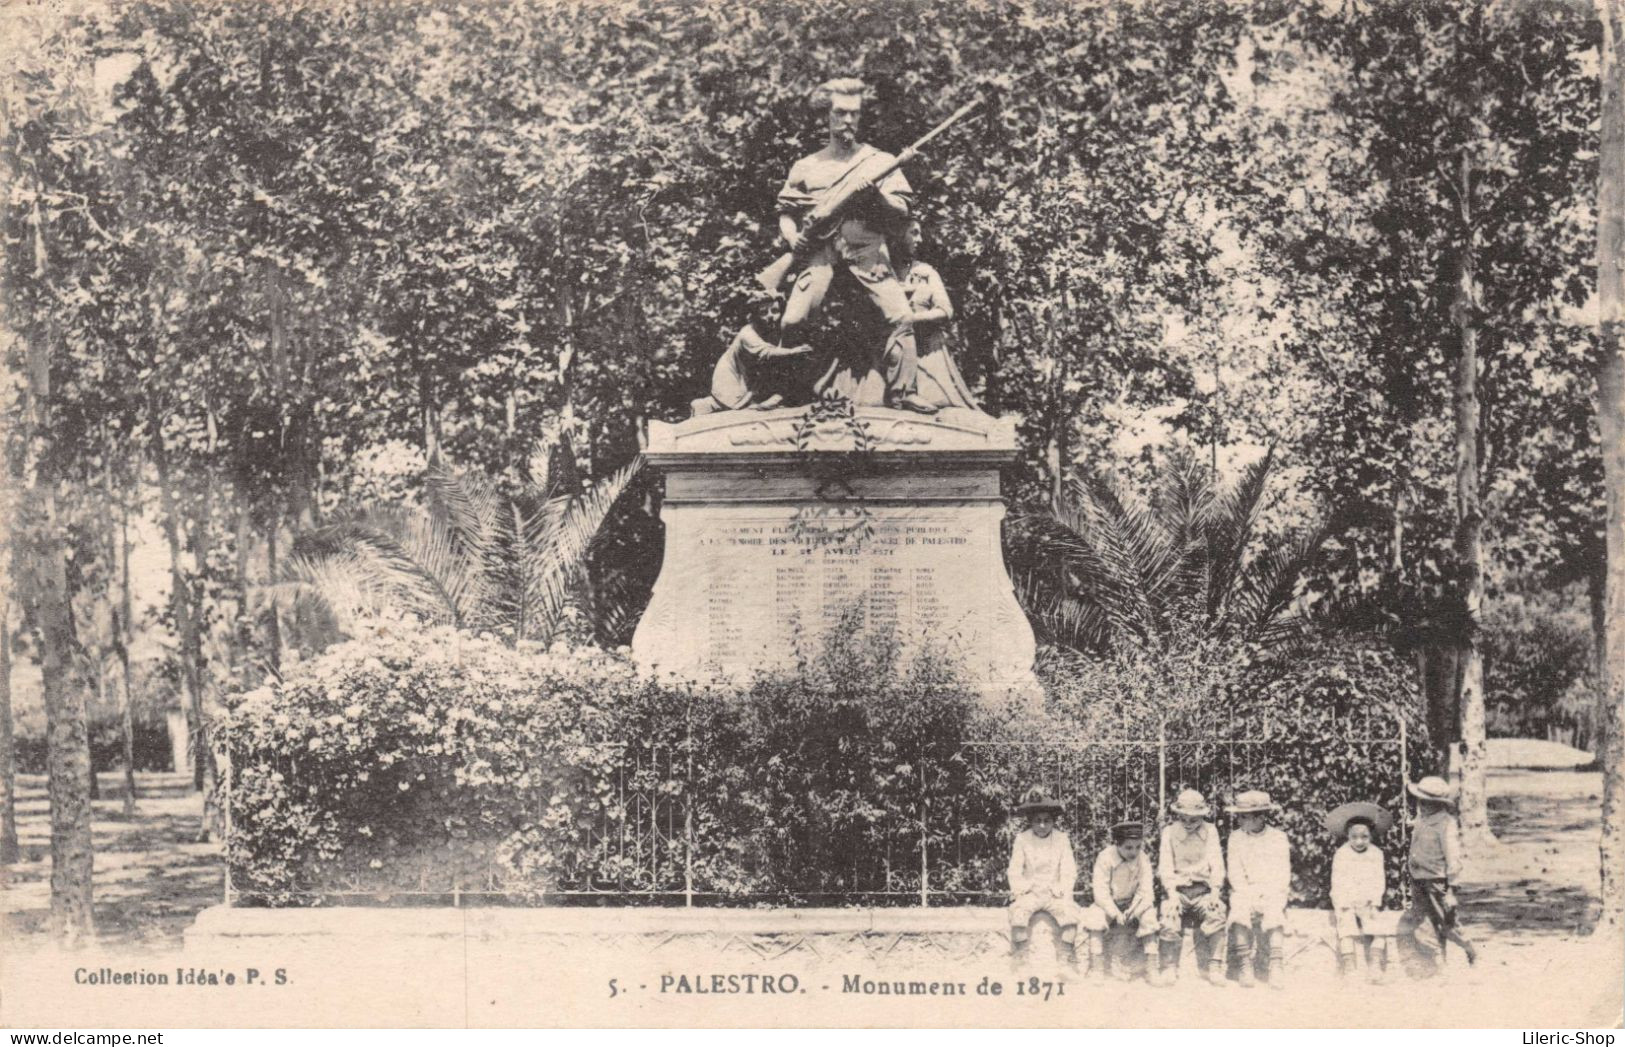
[{"x": 765, "y": 554}]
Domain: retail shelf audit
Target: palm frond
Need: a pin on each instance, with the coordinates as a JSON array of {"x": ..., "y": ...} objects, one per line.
[
  {"x": 1268, "y": 586},
  {"x": 566, "y": 528},
  {"x": 1140, "y": 562},
  {"x": 539, "y": 471},
  {"x": 381, "y": 558},
  {"x": 1059, "y": 564},
  {"x": 1059, "y": 618},
  {"x": 468, "y": 507},
  {"x": 618, "y": 606},
  {"x": 345, "y": 583},
  {"x": 315, "y": 590},
  {"x": 1184, "y": 498},
  {"x": 450, "y": 578},
  {"x": 516, "y": 590},
  {"x": 1230, "y": 530},
  {"x": 1185, "y": 504}
]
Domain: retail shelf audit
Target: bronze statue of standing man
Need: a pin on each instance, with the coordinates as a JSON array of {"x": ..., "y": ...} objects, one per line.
[{"x": 858, "y": 243}]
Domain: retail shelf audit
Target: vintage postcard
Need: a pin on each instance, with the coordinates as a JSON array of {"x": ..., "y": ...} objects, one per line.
[{"x": 849, "y": 513}]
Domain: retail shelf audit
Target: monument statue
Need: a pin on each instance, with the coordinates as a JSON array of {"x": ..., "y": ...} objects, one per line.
[
  {"x": 784, "y": 527},
  {"x": 877, "y": 198}
]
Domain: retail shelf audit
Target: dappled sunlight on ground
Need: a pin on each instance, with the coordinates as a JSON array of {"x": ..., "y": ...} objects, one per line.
[
  {"x": 1541, "y": 878},
  {"x": 152, "y": 877}
]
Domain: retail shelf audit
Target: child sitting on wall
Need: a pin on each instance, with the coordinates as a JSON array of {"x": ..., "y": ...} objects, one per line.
[
  {"x": 1124, "y": 901},
  {"x": 1358, "y": 884},
  {"x": 1190, "y": 865},
  {"x": 1260, "y": 874},
  {"x": 1043, "y": 876}
]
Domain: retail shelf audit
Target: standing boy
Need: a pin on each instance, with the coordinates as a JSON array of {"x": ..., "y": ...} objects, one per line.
[
  {"x": 1124, "y": 900},
  {"x": 1260, "y": 872},
  {"x": 1043, "y": 876},
  {"x": 1435, "y": 863},
  {"x": 1190, "y": 864}
]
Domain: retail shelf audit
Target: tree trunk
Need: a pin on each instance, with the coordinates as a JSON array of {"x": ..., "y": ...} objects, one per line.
[
  {"x": 1052, "y": 461},
  {"x": 1611, "y": 410},
  {"x": 431, "y": 426},
  {"x": 1437, "y": 665},
  {"x": 1469, "y": 527},
  {"x": 1057, "y": 451},
  {"x": 1396, "y": 548},
  {"x": 44, "y": 579},
  {"x": 118, "y": 617},
  {"x": 122, "y": 631},
  {"x": 273, "y": 637},
  {"x": 510, "y": 429},
  {"x": 181, "y": 602},
  {"x": 90, "y": 751},
  {"x": 9, "y": 851},
  {"x": 204, "y": 771}
]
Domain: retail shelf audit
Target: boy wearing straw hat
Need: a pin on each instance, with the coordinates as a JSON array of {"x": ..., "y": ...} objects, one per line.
[
  {"x": 1190, "y": 865},
  {"x": 1043, "y": 876},
  {"x": 1435, "y": 861},
  {"x": 1358, "y": 884},
  {"x": 1260, "y": 873},
  {"x": 1124, "y": 899}
]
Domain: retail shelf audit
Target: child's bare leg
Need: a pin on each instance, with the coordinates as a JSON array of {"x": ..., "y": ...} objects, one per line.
[
  {"x": 1171, "y": 938},
  {"x": 1066, "y": 945},
  {"x": 1171, "y": 944},
  {"x": 1020, "y": 935},
  {"x": 1097, "y": 954},
  {"x": 1275, "y": 944},
  {"x": 1378, "y": 968},
  {"x": 1241, "y": 944},
  {"x": 1451, "y": 931},
  {"x": 1347, "y": 945},
  {"x": 1210, "y": 942},
  {"x": 1153, "y": 959}
]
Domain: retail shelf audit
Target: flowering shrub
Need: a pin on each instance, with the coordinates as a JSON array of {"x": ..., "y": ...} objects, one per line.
[
  {"x": 432, "y": 763},
  {"x": 412, "y": 762}
]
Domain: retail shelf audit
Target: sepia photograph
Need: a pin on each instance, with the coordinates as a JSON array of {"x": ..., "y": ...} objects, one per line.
[{"x": 829, "y": 513}]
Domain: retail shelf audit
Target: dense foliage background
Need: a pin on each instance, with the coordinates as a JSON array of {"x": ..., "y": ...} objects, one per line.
[{"x": 264, "y": 264}]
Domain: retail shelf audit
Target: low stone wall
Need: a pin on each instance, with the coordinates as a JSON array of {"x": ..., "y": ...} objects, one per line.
[{"x": 877, "y": 938}]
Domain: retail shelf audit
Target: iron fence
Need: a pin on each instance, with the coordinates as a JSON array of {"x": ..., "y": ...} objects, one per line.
[{"x": 939, "y": 835}]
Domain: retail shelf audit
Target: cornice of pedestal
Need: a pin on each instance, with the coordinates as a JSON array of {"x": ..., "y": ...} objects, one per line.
[{"x": 756, "y": 438}]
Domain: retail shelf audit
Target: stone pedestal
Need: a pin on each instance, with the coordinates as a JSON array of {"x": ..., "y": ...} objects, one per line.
[{"x": 780, "y": 527}]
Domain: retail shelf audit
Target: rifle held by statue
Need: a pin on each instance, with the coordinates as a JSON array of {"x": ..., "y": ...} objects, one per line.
[{"x": 826, "y": 215}]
